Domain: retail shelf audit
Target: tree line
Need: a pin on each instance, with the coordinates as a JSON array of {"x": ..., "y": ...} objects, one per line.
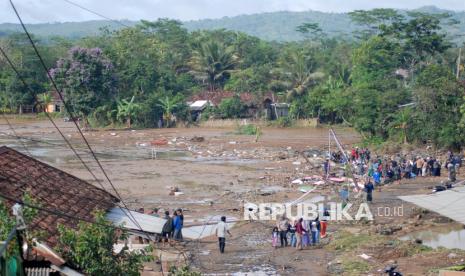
[{"x": 401, "y": 79}]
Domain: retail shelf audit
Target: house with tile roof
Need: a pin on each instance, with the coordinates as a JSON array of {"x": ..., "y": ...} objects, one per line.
[{"x": 54, "y": 189}]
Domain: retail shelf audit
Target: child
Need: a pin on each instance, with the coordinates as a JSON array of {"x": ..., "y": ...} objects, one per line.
[
  {"x": 291, "y": 231},
  {"x": 275, "y": 237}
]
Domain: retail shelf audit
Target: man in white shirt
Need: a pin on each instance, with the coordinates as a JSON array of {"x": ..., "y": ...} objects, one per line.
[{"x": 221, "y": 230}]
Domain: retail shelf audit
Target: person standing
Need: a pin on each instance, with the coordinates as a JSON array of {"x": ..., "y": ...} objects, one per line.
[
  {"x": 221, "y": 230},
  {"x": 315, "y": 229},
  {"x": 424, "y": 168},
  {"x": 299, "y": 231},
  {"x": 274, "y": 237},
  {"x": 369, "y": 190},
  {"x": 326, "y": 167},
  {"x": 167, "y": 228},
  {"x": 324, "y": 222},
  {"x": 283, "y": 226},
  {"x": 293, "y": 240},
  {"x": 178, "y": 222},
  {"x": 344, "y": 194}
]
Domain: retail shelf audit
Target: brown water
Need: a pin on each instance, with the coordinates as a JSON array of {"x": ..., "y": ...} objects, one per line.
[{"x": 451, "y": 238}]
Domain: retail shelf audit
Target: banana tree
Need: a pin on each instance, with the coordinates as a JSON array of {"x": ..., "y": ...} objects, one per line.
[
  {"x": 126, "y": 110},
  {"x": 44, "y": 100},
  {"x": 168, "y": 105}
]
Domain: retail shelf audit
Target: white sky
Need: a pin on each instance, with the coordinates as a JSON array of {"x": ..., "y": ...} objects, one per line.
[{"x": 41, "y": 11}]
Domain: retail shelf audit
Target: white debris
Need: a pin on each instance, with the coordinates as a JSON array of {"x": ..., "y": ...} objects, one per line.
[{"x": 364, "y": 256}]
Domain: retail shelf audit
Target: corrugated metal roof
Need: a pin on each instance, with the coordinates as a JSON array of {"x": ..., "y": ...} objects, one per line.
[
  {"x": 151, "y": 224},
  {"x": 450, "y": 203},
  {"x": 148, "y": 223}
]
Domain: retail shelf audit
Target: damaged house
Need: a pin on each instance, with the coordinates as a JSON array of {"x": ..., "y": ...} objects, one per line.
[{"x": 256, "y": 106}]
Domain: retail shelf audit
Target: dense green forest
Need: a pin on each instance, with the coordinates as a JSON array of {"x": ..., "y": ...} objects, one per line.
[
  {"x": 273, "y": 26},
  {"x": 399, "y": 79}
]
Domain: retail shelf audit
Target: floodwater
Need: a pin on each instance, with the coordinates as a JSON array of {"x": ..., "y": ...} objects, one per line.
[{"x": 449, "y": 238}]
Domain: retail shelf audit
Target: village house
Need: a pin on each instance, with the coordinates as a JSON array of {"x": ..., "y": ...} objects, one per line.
[
  {"x": 55, "y": 104},
  {"x": 257, "y": 107}
]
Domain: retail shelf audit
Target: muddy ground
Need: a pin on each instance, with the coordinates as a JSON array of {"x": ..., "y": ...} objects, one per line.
[{"x": 221, "y": 171}]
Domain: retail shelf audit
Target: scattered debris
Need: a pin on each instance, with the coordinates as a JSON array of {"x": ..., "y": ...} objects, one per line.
[
  {"x": 364, "y": 256},
  {"x": 159, "y": 142},
  {"x": 197, "y": 139}
]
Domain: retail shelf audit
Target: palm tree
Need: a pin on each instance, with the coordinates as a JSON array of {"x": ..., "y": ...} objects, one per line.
[
  {"x": 126, "y": 110},
  {"x": 297, "y": 73},
  {"x": 168, "y": 105},
  {"x": 213, "y": 62}
]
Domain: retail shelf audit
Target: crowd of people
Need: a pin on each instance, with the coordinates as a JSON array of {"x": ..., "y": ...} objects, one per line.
[
  {"x": 298, "y": 233},
  {"x": 394, "y": 168},
  {"x": 374, "y": 171}
]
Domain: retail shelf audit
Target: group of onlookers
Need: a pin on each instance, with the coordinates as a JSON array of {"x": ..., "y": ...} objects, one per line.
[
  {"x": 172, "y": 229},
  {"x": 299, "y": 233},
  {"x": 401, "y": 167}
]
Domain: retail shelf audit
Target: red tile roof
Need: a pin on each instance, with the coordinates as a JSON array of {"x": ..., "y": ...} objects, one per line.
[{"x": 53, "y": 189}]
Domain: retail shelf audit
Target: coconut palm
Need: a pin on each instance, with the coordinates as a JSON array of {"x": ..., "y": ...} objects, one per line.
[
  {"x": 126, "y": 110},
  {"x": 297, "y": 74},
  {"x": 168, "y": 105},
  {"x": 212, "y": 63}
]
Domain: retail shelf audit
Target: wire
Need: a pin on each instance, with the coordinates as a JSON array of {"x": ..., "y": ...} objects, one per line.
[
  {"x": 71, "y": 113},
  {"x": 56, "y": 213},
  {"x": 48, "y": 116},
  {"x": 14, "y": 132},
  {"x": 96, "y": 13},
  {"x": 19, "y": 137}
]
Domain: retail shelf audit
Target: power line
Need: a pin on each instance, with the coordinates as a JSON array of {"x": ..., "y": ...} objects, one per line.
[
  {"x": 96, "y": 13},
  {"x": 70, "y": 111},
  {"x": 14, "y": 132},
  {"x": 54, "y": 212},
  {"x": 19, "y": 137},
  {"x": 48, "y": 116}
]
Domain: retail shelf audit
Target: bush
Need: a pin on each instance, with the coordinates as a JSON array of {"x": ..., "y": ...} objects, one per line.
[
  {"x": 230, "y": 108},
  {"x": 284, "y": 122},
  {"x": 248, "y": 130}
]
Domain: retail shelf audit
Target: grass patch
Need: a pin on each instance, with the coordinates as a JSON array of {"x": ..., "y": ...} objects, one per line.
[
  {"x": 248, "y": 129},
  {"x": 355, "y": 268},
  {"x": 345, "y": 241},
  {"x": 460, "y": 267}
]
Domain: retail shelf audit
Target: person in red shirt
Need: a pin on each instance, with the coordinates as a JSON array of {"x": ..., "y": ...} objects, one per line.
[{"x": 299, "y": 231}]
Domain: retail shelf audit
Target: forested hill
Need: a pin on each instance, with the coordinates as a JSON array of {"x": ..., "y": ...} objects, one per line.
[{"x": 279, "y": 26}]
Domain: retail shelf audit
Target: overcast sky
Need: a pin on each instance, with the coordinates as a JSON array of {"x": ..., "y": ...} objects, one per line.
[{"x": 40, "y": 11}]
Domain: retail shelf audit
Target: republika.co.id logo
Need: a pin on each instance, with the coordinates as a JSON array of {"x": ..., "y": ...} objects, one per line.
[{"x": 307, "y": 211}]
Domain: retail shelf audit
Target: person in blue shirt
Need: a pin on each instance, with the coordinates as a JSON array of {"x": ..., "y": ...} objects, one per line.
[
  {"x": 178, "y": 222},
  {"x": 344, "y": 194},
  {"x": 377, "y": 178},
  {"x": 369, "y": 190}
]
